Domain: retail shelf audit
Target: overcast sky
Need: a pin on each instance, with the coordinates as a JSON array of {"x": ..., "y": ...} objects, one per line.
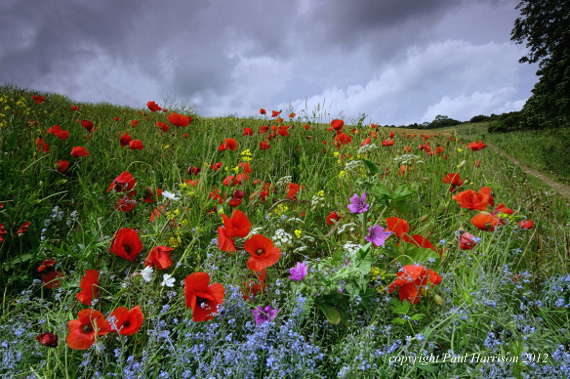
[{"x": 398, "y": 61}]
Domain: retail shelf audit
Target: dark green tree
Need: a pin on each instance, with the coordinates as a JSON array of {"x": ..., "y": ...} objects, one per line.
[{"x": 545, "y": 26}]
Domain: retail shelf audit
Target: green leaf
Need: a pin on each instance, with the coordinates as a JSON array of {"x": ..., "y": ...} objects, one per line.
[
  {"x": 371, "y": 166},
  {"x": 398, "y": 320},
  {"x": 331, "y": 313},
  {"x": 402, "y": 197},
  {"x": 418, "y": 316},
  {"x": 382, "y": 194}
]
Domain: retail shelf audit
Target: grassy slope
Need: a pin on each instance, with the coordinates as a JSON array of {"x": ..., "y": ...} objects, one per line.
[{"x": 486, "y": 306}]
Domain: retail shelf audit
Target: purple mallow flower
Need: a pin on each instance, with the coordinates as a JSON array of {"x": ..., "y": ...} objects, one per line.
[
  {"x": 263, "y": 314},
  {"x": 358, "y": 205},
  {"x": 377, "y": 235},
  {"x": 299, "y": 272}
]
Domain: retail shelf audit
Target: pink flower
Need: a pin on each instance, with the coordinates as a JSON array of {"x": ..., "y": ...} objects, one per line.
[{"x": 299, "y": 272}]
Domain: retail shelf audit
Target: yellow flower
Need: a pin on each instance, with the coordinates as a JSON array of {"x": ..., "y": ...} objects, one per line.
[
  {"x": 321, "y": 193},
  {"x": 339, "y": 161},
  {"x": 175, "y": 242},
  {"x": 166, "y": 146},
  {"x": 298, "y": 233},
  {"x": 335, "y": 153},
  {"x": 221, "y": 211},
  {"x": 460, "y": 150},
  {"x": 342, "y": 174},
  {"x": 236, "y": 169}
]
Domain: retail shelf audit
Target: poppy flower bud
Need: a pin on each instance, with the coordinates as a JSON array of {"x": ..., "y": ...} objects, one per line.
[
  {"x": 462, "y": 164},
  {"x": 424, "y": 218},
  {"x": 438, "y": 300},
  {"x": 309, "y": 137}
]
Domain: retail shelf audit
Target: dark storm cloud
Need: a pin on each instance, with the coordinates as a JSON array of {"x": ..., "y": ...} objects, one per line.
[{"x": 237, "y": 56}]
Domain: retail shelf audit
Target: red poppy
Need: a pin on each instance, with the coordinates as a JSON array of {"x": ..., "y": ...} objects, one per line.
[
  {"x": 250, "y": 289},
  {"x": 153, "y": 106},
  {"x": 229, "y": 143},
  {"x": 38, "y": 99},
  {"x": 411, "y": 280},
  {"x": 215, "y": 194},
  {"x": 178, "y": 119},
  {"x": 307, "y": 127},
  {"x": 116, "y": 119},
  {"x": 419, "y": 241},
  {"x": 201, "y": 297},
  {"x": 477, "y": 163},
  {"x": 262, "y": 252},
  {"x": 134, "y": 123},
  {"x": 293, "y": 189},
  {"x": 136, "y": 145},
  {"x": 502, "y": 208},
  {"x": 127, "y": 244},
  {"x": 480, "y": 201},
  {"x": 45, "y": 264},
  {"x": 388, "y": 142},
  {"x": 283, "y": 131},
  {"x": 125, "y": 139},
  {"x": 74, "y": 108},
  {"x": 526, "y": 224},
  {"x": 89, "y": 285},
  {"x": 126, "y": 202},
  {"x": 476, "y": 146},
  {"x": 163, "y": 126},
  {"x": 275, "y": 113},
  {"x": 126, "y": 322},
  {"x": 216, "y": 166},
  {"x": 56, "y": 131},
  {"x": 332, "y": 216},
  {"x": 262, "y": 111},
  {"x": 336, "y": 124},
  {"x": 487, "y": 222},
  {"x": 123, "y": 182},
  {"x": 264, "y": 145},
  {"x": 235, "y": 202},
  {"x": 193, "y": 170},
  {"x": 47, "y": 339},
  {"x": 453, "y": 179},
  {"x": 365, "y": 142},
  {"x": 42, "y": 145},
  {"x": 397, "y": 225},
  {"x": 407, "y": 149},
  {"x": 87, "y": 125},
  {"x": 160, "y": 257},
  {"x": 83, "y": 330},
  {"x": 236, "y": 226},
  {"x": 247, "y": 131},
  {"x": 263, "y": 129},
  {"x": 292, "y": 115},
  {"x": 341, "y": 140},
  {"x": 467, "y": 241},
  {"x": 2, "y": 230},
  {"x": 23, "y": 228},
  {"x": 391, "y": 135},
  {"x": 79, "y": 151},
  {"x": 52, "y": 279}
]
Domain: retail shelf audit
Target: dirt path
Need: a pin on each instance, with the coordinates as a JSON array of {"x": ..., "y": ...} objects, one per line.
[{"x": 562, "y": 189}]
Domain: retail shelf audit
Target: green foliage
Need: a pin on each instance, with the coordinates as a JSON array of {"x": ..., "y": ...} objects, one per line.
[
  {"x": 507, "y": 122},
  {"x": 544, "y": 26}
]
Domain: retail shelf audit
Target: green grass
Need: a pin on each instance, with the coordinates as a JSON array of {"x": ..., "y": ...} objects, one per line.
[
  {"x": 544, "y": 150},
  {"x": 505, "y": 298}
]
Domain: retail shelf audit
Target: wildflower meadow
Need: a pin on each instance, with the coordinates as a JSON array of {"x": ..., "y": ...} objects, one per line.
[{"x": 156, "y": 243}]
